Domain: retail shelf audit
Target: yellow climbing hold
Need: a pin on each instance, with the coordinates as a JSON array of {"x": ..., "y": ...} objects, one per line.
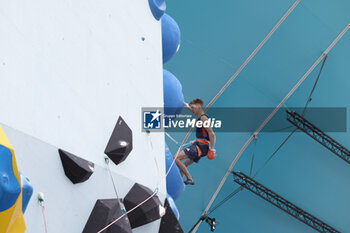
[{"x": 12, "y": 220}]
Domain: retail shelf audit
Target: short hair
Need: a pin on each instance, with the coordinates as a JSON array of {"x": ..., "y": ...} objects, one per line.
[{"x": 197, "y": 101}]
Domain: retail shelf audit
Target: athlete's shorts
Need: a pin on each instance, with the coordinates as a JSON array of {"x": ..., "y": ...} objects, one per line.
[{"x": 192, "y": 153}]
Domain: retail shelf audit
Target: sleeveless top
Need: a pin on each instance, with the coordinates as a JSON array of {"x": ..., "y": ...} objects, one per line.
[{"x": 202, "y": 133}]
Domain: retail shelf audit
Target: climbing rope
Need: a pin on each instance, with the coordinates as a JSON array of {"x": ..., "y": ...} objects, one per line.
[
  {"x": 269, "y": 118},
  {"x": 120, "y": 217},
  {"x": 253, "y": 156},
  {"x": 173, "y": 140},
  {"x": 44, "y": 218},
  {"x": 41, "y": 203},
  {"x": 110, "y": 174},
  {"x": 237, "y": 190},
  {"x": 314, "y": 87}
]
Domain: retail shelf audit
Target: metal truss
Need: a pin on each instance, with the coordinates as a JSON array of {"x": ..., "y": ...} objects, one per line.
[
  {"x": 301, "y": 123},
  {"x": 275, "y": 199}
]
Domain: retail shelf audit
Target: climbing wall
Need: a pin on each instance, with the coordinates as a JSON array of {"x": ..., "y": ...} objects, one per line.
[{"x": 68, "y": 71}]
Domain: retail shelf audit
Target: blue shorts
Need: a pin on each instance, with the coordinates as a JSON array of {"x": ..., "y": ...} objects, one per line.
[{"x": 192, "y": 153}]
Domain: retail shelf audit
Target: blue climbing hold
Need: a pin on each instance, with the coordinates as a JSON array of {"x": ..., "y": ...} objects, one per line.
[
  {"x": 170, "y": 37},
  {"x": 157, "y": 7},
  {"x": 27, "y": 191},
  {"x": 173, "y": 206},
  {"x": 173, "y": 96},
  {"x": 174, "y": 182},
  {"x": 9, "y": 185}
]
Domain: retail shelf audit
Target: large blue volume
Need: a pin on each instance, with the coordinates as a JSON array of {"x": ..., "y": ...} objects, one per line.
[
  {"x": 174, "y": 182},
  {"x": 157, "y": 8},
  {"x": 27, "y": 191},
  {"x": 173, "y": 96},
  {"x": 171, "y": 36},
  {"x": 9, "y": 185}
]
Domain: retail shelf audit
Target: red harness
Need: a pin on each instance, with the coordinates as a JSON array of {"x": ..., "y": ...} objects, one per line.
[{"x": 203, "y": 141}]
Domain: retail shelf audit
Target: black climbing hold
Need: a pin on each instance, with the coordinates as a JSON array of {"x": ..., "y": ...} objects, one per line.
[
  {"x": 104, "y": 212},
  {"x": 146, "y": 213},
  {"x": 76, "y": 169},
  {"x": 169, "y": 223},
  {"x": 120, "y": 143}
]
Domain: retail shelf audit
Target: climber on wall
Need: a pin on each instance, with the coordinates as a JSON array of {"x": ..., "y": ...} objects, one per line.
[{"x": 203, "y": 146}]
